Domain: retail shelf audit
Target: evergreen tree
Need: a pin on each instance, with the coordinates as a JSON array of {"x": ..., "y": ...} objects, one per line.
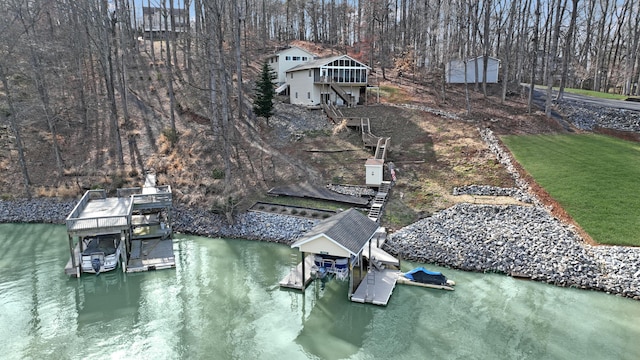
[{"x": 265, "y": 92}]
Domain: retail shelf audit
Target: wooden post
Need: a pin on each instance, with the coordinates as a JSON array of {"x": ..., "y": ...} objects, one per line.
[
  {"x": 304, "y": 282},
  {"x": 73, "y": 258}
]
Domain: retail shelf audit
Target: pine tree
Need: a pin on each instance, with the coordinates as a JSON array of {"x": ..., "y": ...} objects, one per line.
[{"x": 265, "y": 92}]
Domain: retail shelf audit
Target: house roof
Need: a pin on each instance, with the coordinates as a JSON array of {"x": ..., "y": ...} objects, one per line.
[
  {"x": 282, "y": 51},
  {"x": 349, "y": 229},
  {"x": 322, "y": 62},
  {"x": 474, "y": 58}
]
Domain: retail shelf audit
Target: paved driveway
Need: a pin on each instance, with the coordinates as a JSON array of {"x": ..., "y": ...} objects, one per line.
[{"x": 541, "y": 92}]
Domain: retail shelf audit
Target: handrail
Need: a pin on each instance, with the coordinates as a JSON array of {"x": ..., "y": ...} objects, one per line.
[
  {"x": 88, "y": 195},
  {"x": 97, "y": 222}
]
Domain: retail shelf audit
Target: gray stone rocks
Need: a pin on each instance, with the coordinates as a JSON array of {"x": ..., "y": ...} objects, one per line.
[
  {"x": 41, "y": 210},
  {"x": 351, "y": 190},
  {"x": 521, "y": 241},
  {"x": 484, "y": 190},
  {"x": 587, "y": 117},
  {"x": 250, "y": 225}
]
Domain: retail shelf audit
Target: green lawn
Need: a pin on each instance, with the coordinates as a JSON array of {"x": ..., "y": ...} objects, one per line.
[
  {"x": 594, "y": 177},
  {"x": 598, "y": 94}
]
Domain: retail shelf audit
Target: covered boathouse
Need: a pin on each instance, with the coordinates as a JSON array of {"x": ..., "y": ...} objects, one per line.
[
  {"x": 139, "y": 219},
  {"x": 346, "y": 245}
]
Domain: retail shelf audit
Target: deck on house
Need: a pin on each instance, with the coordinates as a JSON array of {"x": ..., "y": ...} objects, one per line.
[
  {"x": 376, "y": 288},
  {"x": 294, "y": 280},
  {"x": 151, "y": 254}
]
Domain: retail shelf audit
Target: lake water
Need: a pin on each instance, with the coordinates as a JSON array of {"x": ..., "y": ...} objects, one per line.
[{"x": 223, "y": 302}]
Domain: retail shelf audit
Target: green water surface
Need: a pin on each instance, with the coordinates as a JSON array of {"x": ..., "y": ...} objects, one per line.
[{"x": 223, "y": 302}]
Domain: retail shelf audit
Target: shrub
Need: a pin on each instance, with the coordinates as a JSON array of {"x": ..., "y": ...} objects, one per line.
[
  {"x": 217, "y": 174},
  {"x": 294, "y": 211},
  {"x": 171, "y": 135},
  {"x": 303, "y": 213}
]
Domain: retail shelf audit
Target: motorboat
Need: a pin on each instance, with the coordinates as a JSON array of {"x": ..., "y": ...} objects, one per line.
[
  {"x": 330, "y": 265},
  {"x": 421, "y": 276},
  {"x": 101, "y": 253}
]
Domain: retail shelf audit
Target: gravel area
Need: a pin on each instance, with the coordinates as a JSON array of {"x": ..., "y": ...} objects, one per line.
[
  {"x": 352, "y": 190},
  {"x": 484, "y": 190},
  {"x": 588, "y": 117},
  {"x": 290, "y": 122}
]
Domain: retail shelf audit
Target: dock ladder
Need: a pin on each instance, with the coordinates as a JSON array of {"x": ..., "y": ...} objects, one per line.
[
  {"x": 293, "y": 264},
  {"x": 371, "y": 283}
]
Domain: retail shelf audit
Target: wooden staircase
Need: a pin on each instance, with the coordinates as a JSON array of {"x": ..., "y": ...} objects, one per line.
[
  {"x": 375, "y": 213},
  {"x": 348, "y": 98}
]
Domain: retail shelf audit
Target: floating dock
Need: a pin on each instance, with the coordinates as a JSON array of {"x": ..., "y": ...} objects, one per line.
[
  {"x": 377, "y": 287},
  {"x": 142, "y": 218},
  {"x": 378, "y": 284},
  {"x": 294, "y": 279}
]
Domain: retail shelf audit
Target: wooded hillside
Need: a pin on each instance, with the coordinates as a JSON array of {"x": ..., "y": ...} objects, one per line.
[{"x": 100, "y": 100}]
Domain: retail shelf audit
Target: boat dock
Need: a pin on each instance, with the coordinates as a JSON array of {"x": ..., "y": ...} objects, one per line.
[
  {"x": 294, "y": 279},
  {"x": 373, "y": 285},
  {"x": 142, "y": 218},
  {"x": 382, "y": 275},
  {"x": 377, "y": 287}
]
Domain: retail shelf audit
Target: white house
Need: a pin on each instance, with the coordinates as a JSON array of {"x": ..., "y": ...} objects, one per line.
[
  {"x": 455, "y": 70},
  {"x": 153, "y": 20},
  {"x": 284, "y": 60},
  {"x": 339, "y": 80}
]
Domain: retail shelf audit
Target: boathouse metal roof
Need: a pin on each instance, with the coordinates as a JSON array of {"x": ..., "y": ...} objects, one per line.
[{"x": 349, "y": 229}]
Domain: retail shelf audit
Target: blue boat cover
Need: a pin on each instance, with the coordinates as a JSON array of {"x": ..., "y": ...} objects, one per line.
[
  {"x": 409, "y": 274},
  {"x": 425, "y": 276}
]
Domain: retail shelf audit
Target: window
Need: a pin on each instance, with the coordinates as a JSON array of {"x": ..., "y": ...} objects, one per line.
[
  {"x": 304, "y": 58},
  {"x": 292, "y": 75},
  {"x": 309, "y": 72},
  {"x": 308, "y": 95},
  {"x": 296, "y": 58},
  {"x": 287, "y": 58},
  {"x": 296, "y": 94}
]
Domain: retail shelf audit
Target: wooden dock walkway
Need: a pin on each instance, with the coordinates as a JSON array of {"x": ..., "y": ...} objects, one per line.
[
  {"x": 377, "y": 287},
  {"x": 294, "y": 280},
  {"x": 380, "y": 255}
]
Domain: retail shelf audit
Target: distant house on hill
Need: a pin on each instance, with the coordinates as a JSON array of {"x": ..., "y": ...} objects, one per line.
[
  {"x": 340, "y": 80},
  {"x": 455, "y": 70},
  {"x": 153, "y": 21}
]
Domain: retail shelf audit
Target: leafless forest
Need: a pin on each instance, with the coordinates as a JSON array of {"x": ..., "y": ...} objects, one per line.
[{"x": 85, "y": 65}]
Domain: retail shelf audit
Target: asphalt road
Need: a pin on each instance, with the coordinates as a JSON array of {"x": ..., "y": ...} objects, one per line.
[{"x": 540, "y": 94}]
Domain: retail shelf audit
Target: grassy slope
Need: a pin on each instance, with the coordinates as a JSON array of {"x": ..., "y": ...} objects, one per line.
[{"x": 594, "y": 177}]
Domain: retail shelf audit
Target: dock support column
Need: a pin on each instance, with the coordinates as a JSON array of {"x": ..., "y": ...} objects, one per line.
[
  {"x": 74, "y": 264},
  {"x": 304, "y": 280}
]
